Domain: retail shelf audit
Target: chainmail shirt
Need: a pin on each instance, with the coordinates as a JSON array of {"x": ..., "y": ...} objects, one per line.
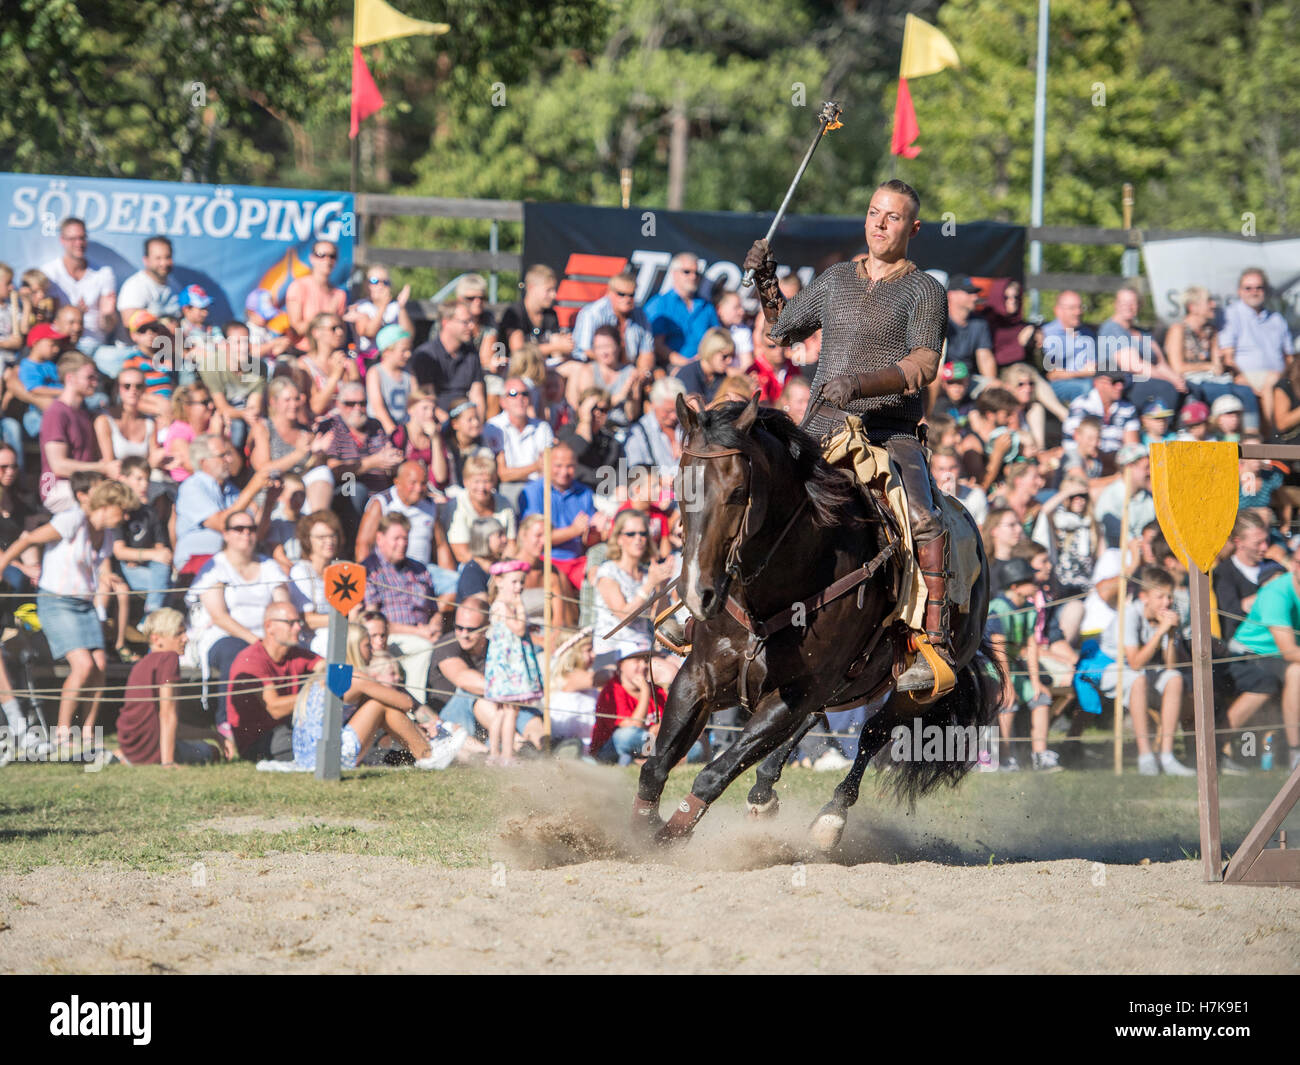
[{"x": 867, "y": 325}]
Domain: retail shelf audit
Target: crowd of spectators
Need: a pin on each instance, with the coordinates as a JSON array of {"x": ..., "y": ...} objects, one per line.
[{"x": 186, "y": 507}]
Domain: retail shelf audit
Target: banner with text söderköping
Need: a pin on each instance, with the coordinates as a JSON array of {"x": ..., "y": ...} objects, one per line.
[{"x": 229, "y": 239}]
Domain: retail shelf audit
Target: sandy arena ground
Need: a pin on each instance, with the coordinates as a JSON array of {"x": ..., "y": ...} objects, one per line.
[{"x": 569, "y": 894}]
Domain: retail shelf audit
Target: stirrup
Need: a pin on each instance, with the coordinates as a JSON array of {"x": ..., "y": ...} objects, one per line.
[{"x": 928, "y": 677}]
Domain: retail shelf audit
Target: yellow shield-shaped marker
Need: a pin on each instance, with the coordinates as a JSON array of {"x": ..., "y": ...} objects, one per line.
[{"x": 1196, "y": 489}]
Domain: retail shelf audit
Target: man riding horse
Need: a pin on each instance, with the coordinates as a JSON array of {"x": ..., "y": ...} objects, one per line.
[{"x": 883, "y": 323}]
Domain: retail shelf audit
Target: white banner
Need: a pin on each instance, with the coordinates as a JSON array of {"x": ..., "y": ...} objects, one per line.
[{"x": 1216, "y": 263}]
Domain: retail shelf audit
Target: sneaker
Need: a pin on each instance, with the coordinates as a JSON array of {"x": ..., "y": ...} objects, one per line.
[
  {"x": 1172, "y": 767},
  {"x": 1230, "y": 768},
  {"x": 443, "y": 750},
  {"x": 1047, "y": 762},
  {"x": 35, "y": 747},
  {"x": 1148, "y": 766},
  {"x": 1008, "y": 765},
  {"x": 831, "y": 761}
]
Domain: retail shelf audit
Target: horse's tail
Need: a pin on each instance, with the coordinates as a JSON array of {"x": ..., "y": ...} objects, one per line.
[{"x": 971, "y": 708}]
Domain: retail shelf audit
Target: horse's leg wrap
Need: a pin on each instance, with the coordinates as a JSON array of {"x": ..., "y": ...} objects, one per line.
[
  {"x": 684, "y": 819},
  {"x": 645, "y": 814}
]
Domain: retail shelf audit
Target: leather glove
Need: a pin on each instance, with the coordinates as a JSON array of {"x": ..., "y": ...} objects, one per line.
[
  {"x": 840, "y": 391},
  {"x": 760, "y": 260}
]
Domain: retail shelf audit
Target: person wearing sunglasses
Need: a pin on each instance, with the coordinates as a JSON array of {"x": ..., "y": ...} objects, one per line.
[
  {"x": 595, "y": 447},
  {"x": 379, "y": 309},
  {"x": 679, "y": 317},
  {"x": 314, "y": 294},
  {"x": 472, "y": 290},
  {"x": 326, "y": 363},
  {"x": 617, "y": 308},
  {"x": 193, "y": 414},
  {"x": 517, "y": 440}
]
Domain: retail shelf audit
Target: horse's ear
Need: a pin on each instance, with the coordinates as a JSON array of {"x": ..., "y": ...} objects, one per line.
[
  {"x": 747, "y": 416},
  {"x": 686, "y": 414}
]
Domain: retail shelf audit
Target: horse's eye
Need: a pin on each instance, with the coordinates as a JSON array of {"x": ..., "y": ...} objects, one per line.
[{"x": 737, "y": 497}]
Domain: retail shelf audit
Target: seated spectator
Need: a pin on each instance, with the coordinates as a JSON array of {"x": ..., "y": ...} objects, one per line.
[
  {"x": 1083, "y": 456},
  {"x": 421, "y": 437},
  {"x": 327, "y": 365},
  {"x": 794, "y": 398},
  {"x": 1002, "y": 532},
  {"x": 487, "y": 544},
  {"x": 1069, "y": 350},
  {"x": 264, "y": 683},
  {"x": 142, "y": 547},
  {"x": 403, "y": 589},
  {"x": 1238, "y": 578},
  {"x": 1011, "y": 623},
  {"x": 730, "y": 309},
  {"x": 1012, "y": 337},
  {"x": 574, "y": 688},
  {"x": 207, "y": 499},
  {"x": 1134, "y": 350},
  {"x": 994, "y": 421},
  {"x": 575, "y": 524},
  {"x": 74, "y": 281},
  {"x": 376, "y": 626},
  {"x": 427, "y": 543},
  {"x": 67, "y": 435},
  {"x": 150, "y": 288},
  {"x": 1071, "y": 535},
  {"x": 1105, "y": 401},
  {"x": 530, "y": 549},
  {"x": 1035, "y": 399},
  {"x": 1020, "y": 493},
  {"x": 35, "y": 291},
  {"x": 448, "y": 362},
  {"x": 379, "y": 309},
  {"x": 626, "y": 581},
  {"x": 479, "y": 500},
  {"x": 359, "y": 453},
  {"x": 193, "y": 414},
  {"x": 617, "y": 312},
  {"x": 320, "y": 540},
  {"x": 17, "y": 514},
  {"x": 946, "y": 468},
  {"x": 1192, "y": 347},
  {"x": 389, "y": 383},
  {"x": 149, "y": 730},
  {"x": 460, "y": 663},
  {"x": 37, "y": 382},
  {"x": 460, "y": 437},
  {"x": 1151, "y": 655},
  {"x": 534, "y": 318},
  {"x": 1193, "y": 421},
  {"x": 307, "y": 297},
  {"x": 703, "y": 374},
  {"x": 472, "y": 290},
  {"x": 555, "y": 410},
  {"x": 78, "y": 543},
  {"x": 655, "y": 439},
  {"x": 15, "y": 316},
  {"x": 770, "y": 363},
  {"x": 279, "y": 537},
  {"x": 628, "y": 712},
  {"x": 1259, "y": 480},
  {"x": 954, "y": 397},
  {"x": 264, "y": 320},
  {"x": 678, "y": 316},
  {"x": 196, "y": 338},
  {"x": 517, "y": 440},
  {"x": 370, "y": 710},
  {"x": 154, "y": 344},
  {"x": 283, "y": 443},
  {"x": 124, "y": 431},
  {"x": 1286, "y": 407},
  {"x": 595, "y": 448},
  {"x": 1226, "y": 419},
  {"x": 1255, "y": 342},
  {"x": 735, "y": 388},
  {"x": 235, "y": 383},
  {"x": 513, "y": 679},
  {"x": 968, "y": 341},
  {"x": 1156, "y": 418},
  {"x": 227, "y": 600},
  {"x": 1141, "y": 505}
]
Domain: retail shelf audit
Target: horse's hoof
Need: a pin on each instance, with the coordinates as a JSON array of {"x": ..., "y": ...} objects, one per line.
[
  {"x": 764, "y": 811},
  {"x": 827, "y": 830},
  {"x": 684, "y": 819},
  {"x": 645, "y": 817}
]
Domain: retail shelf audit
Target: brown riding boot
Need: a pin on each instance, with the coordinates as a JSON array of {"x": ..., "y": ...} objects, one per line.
[{"x": 933, "y": 560}]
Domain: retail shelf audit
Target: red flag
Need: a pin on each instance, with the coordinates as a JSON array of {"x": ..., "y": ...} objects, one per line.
[
  {"x": 365, "y": 94},
  {"x": 905, "y": 127}
]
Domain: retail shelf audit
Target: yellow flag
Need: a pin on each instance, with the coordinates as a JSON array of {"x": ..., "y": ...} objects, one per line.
[
  {"x": 374, "y": 21},
  {"x": 925, "y": 50}
]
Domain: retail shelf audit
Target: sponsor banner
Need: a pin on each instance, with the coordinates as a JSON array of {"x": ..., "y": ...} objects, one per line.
[
  {"x": 1216, "y": 263},
  {"x": 230, "y": 239},
  {"x": 587, "y": 245}
]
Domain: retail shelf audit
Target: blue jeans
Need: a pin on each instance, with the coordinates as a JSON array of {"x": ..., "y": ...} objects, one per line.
[
  {"x": 627, "y": 743},
  {"x": 459, "y": 710},
  {"x": 151, "y": 577},
  {"x": 238, "y": 433},
  {"x": 444, "y": 580},
  {"x": 1068, "y": 391},
  {"x": 221, "y": 659},
  {"x": 12, "y": 434},
  {"x": 32, "y": 421}
]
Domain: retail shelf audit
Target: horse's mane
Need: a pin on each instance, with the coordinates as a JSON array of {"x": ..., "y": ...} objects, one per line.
[{"x": 831, "y": 492}]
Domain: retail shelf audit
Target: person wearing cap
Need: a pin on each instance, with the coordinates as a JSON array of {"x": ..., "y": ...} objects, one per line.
[
  {"x": 1069, "y": 349},
  {"x": 38, "y": 377},
  {"x": 969, "y": 340},
  {"x": 150, "y": 288},
  {"x": 1105, "y": 401},
  {"x": 75, "y": 282},
  {"x": 309, "y": 296},
  {"x": 389, "y": 383},
  {"x": 1255, "y": 341},
  {"x": 194, "y": 332},
  {"x": 1225, "y": 418},
  {"x": 954, "y": 398},
  {"x": 1155, "y": 422},
  {"x": 1010, "y": 629},
  {"x": 1193, "y": 421},
  {"x": 1135, "y": 466}
]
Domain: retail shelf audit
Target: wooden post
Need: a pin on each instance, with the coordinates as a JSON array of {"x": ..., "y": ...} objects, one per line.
[
  {"x": 547, "y": 608},
  {"x": 1121, "y": 604},
  {"x": 329, "y": 748},
  {"x": 1207, "y": 777}
]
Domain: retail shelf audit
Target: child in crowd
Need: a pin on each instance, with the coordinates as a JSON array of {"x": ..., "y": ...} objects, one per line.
[
  {"x": 993, "y": 421},
  {"x": 1011, "y": 628},
  {"x": 954, "y": 399},
  {"x": 149, "y": 731},
  {"x": 1151, "y": 644},
  {"x": 1259, "y": 480},
  {"x": 281, "y": 538},
  {"x": 142, "y": 549},
  {"x": 1193, "y": 421},
  {"x": 1225, "y": 419},
  {"x": 1155, "y": 422},
  {"x": 512, "y": 675},
  {"x": 574, "y": 686},
  {"x": 35, "y": 290},
  {"x": 627, "y": 714},
  {"x": 731, "y": 316},
  {"x": 1083, "y": 453},
  {"x": 39, "y": 373},
  {"x": 389, "y": 383},
  {"x": 15, "y": 316},
  {"x": 376, "y": 626}
]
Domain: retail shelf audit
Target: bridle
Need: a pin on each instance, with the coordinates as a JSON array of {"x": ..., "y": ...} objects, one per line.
[{"x": 742, "y": 535}]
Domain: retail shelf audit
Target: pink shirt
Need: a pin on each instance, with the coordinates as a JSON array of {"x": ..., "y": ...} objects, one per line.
[
  {"x": 178, "y": 430},
  {"x": 314, "y": 302}
]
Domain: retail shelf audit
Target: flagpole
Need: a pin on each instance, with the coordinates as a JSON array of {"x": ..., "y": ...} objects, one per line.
[{"x": 1040, "y": 135}]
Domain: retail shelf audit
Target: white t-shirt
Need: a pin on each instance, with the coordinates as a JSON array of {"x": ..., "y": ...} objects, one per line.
[
  {"x": 94, "y": 283},
  {"x": 246, "y": 601},
  {"x": 1097, "y": 613},
  {"x": 423, "y": 517},
  {"x": 69, "y": 565},
  {"x": 634, "y": 636},
  {"x": 463, "y": 519},
  {"x": 141, "y": 290},
  {"x": 522, "y": 447},
  {"x": 365, "y": 345}
]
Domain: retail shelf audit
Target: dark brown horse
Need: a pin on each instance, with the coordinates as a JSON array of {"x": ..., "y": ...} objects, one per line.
[{"x": 789, "y": 572}]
